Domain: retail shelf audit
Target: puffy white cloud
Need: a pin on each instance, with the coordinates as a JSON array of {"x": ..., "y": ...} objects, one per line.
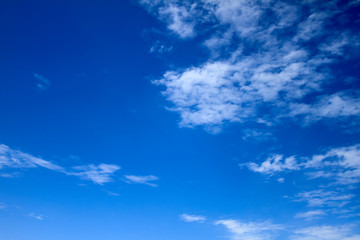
[
  {"x": 275, "y": 163},
  {"x": 262, "y": 60}
]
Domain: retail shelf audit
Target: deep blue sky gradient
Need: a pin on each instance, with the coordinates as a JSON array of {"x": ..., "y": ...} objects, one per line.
[{"x": 101, "y": 107}]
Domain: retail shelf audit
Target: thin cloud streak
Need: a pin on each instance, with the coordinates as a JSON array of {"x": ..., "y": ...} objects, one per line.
[
  {"x": 147, "y": 180},
  {"x": 98, "y": 174}
]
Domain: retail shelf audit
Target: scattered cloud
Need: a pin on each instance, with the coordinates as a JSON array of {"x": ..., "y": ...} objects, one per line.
[
  {"x": 342, "y": 104},
  {"x": 336, "y": 167},
  {"x": 10, "y": 158},
  {"x": 325, "y": 232},
  {"x": 249, "y": 230},
  {"x": 110, "y": 193},
  {"x": 310, "y": 215},
  {"x": 273, "y": 164},
  {"x": 99, "y": 174},
  {"x": 257, "y": 69},
  {"x": 142, "y": 179},
  {"x": 9, "y": 175},
  {"x": 265, "y": 230},
  {"x": 42, "y": 82},
  {"x": 192, "y": 218},
  {"x": 35, "y": 216},
  {"x": 341, "y": 164},
  {"x": 319, "y": 198},
  {"x": 160, "y": 48},
  {"x": 180, "y": 18},
  {"x": 281, "y": 180}
]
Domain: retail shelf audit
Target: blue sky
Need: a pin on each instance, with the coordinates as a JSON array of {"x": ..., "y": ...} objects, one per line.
[{"x": 165, "y": 119}]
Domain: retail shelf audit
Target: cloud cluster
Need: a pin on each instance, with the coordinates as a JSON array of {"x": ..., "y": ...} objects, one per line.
[
  {"x": 340, "y": 164},
  {"x": 338, "y": 167},
  {"x": 267, "y": 58}
]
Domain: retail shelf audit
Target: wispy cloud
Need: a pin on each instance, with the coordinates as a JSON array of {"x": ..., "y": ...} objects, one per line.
[
  {"x": 147, "y": 180},
  {"x": 36, "y": 216},
  {"x": 10, "y": 158},
  {"x": 319, "y": 198},
  {"x": 180, "y": 18},
  {"x": 310, "y": 215},
  {"x": 249, "y": 230},
  {"x": 341, "y": 104},
  {"x": 341, "y": 164},
  {"x": 265, "y": 230},
  {"x": 42, "y": 82},
  {"x": 326, "y": 232},
  {"x": 192, "y": 218},
  {"x": 160, "y": 48},
  {"x": 99, "y": 174}
]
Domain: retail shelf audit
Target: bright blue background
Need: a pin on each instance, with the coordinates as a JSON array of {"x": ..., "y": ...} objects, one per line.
[{"x": 101, "y": 107}]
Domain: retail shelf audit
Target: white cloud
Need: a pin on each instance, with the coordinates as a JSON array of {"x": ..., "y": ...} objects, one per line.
[
  {"x": 231, "y": 91},
  {"x": 330, "y": 106},
  {"x": 312, "y": 26},
  {"x": 275, "y": 163},
  {"x": 10, "y": 159},
  {"x": 142, "y": 179},
  {"x": 336, "y": 167},
  {"x": 249, "y": 230},
  {"x": 320, "y": 198},
  {"x": 180, "y": 19},
  {"x": 256, "y": 65},
  {"x": 192, "y": 218},
  {"x": 340, "y": 164},
  {"x": 99, "y": 174},
  {"x": 160, "y": 48},
  {"x": 312, "y": 214},
  {"x": 265, "y": 230},
  {"x": 325, "y": 232}
]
